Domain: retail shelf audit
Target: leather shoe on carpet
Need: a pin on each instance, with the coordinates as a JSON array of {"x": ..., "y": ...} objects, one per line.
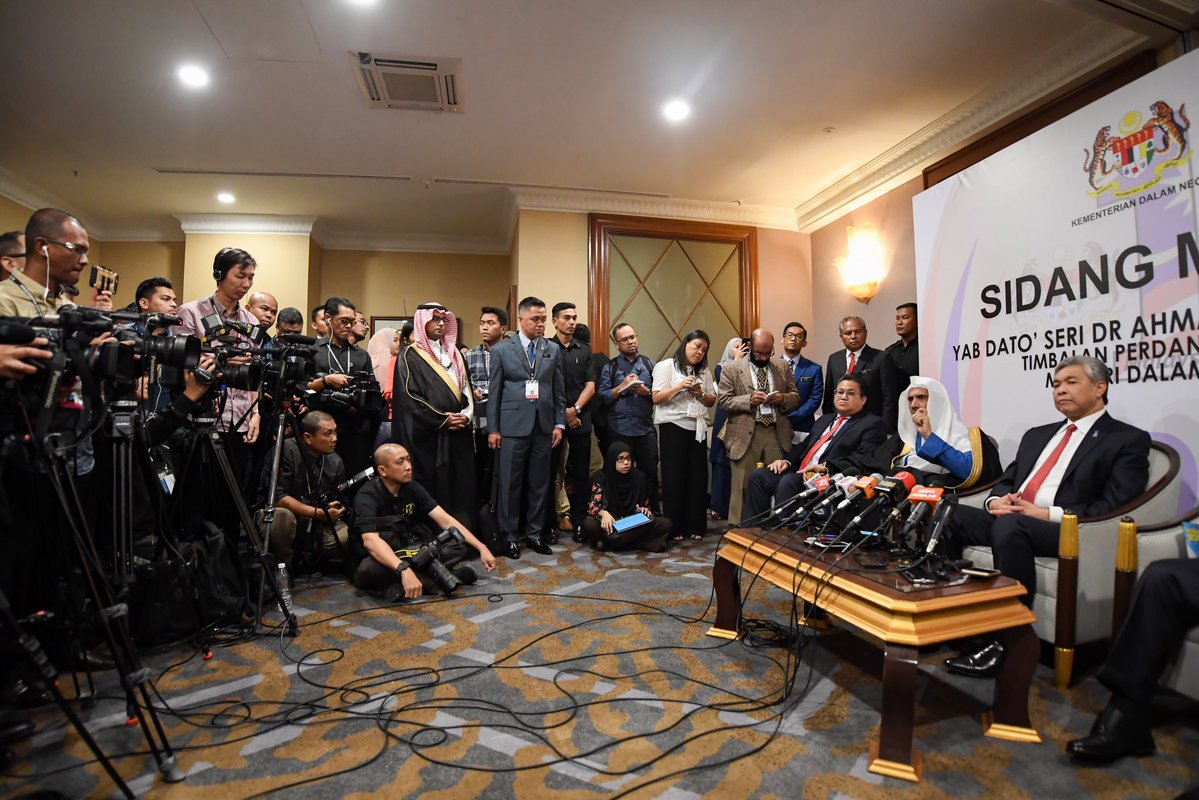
[
  {"x": 538, "y": 546},
  {"x": 564, "y": 523},
  {"x": 87, "y": 661},
  {"x": 15, "y": 730},
  {"x": 511, "y": 550},
  {"x": 550, "y": 537},
  {"x": 1115, "y": 734},
  {"x": 465, "y": 575},
  {"x": 24, "y": 695},
  {"x": 981, "y": 663}
]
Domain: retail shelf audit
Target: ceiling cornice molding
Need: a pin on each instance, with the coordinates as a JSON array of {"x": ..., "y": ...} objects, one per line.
[
  {"x": 462, "y": 245},
  {"x": 246, "y": 223},
  {"x": 985, "y": 110},
  {"x": 671, "y": 208}
]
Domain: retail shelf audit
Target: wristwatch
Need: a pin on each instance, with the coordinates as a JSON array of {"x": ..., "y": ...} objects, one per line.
[
  {"x": 403, "y": 565},
  {"x": 577, "y": 409}
]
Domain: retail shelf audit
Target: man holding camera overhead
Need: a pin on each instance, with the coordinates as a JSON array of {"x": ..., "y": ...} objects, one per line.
[{"x": 341, "y": 367}]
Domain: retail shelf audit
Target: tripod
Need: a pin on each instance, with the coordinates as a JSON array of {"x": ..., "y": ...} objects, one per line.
[{"x": 112, "y": 618}]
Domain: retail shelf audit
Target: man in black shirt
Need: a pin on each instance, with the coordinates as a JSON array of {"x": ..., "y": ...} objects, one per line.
[
  {"x": 298, "y": 487},
  {"x": 393, "y": 512},
  {"x": 901, "y": 363},
  {"x": 579, "y": 382},
  {"x": 337, "y": 357}
]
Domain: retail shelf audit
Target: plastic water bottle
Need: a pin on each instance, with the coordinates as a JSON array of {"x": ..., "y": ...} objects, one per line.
[{"x": 281, "y": 581}]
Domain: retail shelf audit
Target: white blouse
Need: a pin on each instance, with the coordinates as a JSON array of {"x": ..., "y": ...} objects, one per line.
[{"x": 684, "y": 409}]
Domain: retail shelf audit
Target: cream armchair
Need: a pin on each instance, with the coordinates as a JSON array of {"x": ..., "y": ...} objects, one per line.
[
  {"x": 1139, "y": 548},
  {"x": 1075, "y": 594}
]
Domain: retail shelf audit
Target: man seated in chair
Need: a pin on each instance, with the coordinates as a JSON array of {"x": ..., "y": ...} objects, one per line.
[
  {"x": 851, "y": 432},
  {"x": 933, "y": 443},
  {"x": 1164, "y": 608},
  {"x": 1088, "y": 463}
]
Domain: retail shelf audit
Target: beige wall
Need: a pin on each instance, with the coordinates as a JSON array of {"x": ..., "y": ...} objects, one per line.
[
  {"x": 13, "y": 215},
  {"x": 550, "y": 257},
  {"x": 390, "y": 284},
  {"x": 316, "y": 260},
  {"x": 136, "y": 261},
  {"x": 784, "y": 280},
  {"x": 282, "y": 264},
  {"x": 892, "y": 215}
]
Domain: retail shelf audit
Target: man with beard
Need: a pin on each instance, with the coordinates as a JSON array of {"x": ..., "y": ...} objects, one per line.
[{"x": 433, "y": 408}]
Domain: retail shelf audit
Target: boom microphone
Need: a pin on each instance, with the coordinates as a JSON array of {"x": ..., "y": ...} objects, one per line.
[
  {"x": 295, "y": 338},
  {"x": 16, "y": 333}
]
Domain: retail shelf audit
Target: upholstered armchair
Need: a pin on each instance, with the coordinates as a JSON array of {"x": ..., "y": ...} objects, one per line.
[{"x": 1075, "y": 593}]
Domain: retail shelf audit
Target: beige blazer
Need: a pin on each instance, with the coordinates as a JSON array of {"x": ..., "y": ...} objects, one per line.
[{"x": 736, "y": 385}]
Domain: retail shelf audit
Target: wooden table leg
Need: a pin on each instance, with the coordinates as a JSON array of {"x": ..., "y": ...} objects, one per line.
[
  {"x": 893, "y": 754},
  {"x": 728, "y": 600},
  {"x": 1009, "y": 718}
]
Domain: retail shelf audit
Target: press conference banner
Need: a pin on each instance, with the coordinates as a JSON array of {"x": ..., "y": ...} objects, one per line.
[{"x": 1080, "y": 239}]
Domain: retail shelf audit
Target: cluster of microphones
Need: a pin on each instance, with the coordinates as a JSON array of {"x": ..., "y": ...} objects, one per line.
[{"x": 870, "y": 513}]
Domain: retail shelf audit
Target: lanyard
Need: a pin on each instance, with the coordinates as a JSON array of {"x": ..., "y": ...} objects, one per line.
[
  {"x": 37, "y": 311},
  {"x": 336, "y": 363}
]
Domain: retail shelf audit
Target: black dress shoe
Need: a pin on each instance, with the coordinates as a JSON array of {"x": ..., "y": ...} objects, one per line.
[
  {"x": 538, "y": 546},
  {"x": 15, "y": 730},
  {"x": 982, "y": 663},
  {"x": 550, "y": 537},
  {"x": 87, "y": 661},
  {"x": 511, "y": 550},
  {"x": 577, "y": 537},
  {"x": 1115, "y": 734},
  {"x": 25, "y": 695}
]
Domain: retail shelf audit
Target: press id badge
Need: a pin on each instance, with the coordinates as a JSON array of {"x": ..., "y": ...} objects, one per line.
[
  {"x": 695, "y": 409},
  {"x": 532, "y": 389}
]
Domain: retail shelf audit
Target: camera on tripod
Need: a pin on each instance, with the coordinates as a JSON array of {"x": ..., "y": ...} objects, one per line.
[
  {"x": 224, "y": 340},
  {"x": 428, "y": 558},
  {"x": 360, "y": 394},
  {"x": 290, "y": 365}
]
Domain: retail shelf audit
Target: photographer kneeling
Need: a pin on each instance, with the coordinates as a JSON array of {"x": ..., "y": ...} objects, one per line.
[
  {"x": 392, "y": 513},
  {"x": 298, "y": 486}
]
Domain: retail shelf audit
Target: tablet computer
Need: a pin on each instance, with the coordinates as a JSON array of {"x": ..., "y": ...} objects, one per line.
[{"x": 629, "y": 522}]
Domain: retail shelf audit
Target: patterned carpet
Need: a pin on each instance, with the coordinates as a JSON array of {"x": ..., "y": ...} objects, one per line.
[{"x": 579, "y": 675}]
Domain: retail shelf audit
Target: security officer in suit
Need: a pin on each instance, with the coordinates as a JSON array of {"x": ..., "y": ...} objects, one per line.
[
  {"x": 526, "y": 417},
  {"x": 858, "y": 358},
  {"x": 1089, "y": 463}
]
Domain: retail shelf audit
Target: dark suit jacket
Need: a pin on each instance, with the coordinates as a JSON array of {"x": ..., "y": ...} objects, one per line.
[
  {"x": 1109, "y": 468},
  {"x": 508, "y": 412},
  {"x": 869, "y": 369},
  {"x": 857, "y": 438}
]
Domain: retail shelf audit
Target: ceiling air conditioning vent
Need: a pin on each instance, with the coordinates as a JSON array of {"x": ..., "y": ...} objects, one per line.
[{"x": 420, "y": 82}]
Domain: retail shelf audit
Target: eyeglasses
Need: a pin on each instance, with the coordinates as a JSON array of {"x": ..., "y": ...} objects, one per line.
[
  {"x": 344, "y": 320},
  {"x": 620, "y": 459},
  {"x": 846, "y": 393},
  {"x": 79, "y": 250},
  {"x": 627, "y": 339},
  {"x": 13, "y": 255},
  {"x": 795, "y": 336},
  {"x": 438, "y": 318}
]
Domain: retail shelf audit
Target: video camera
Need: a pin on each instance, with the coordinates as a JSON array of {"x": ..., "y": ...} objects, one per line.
[
  {"x": 361, "y": 393},
  {"x": 290, "y": 364},
  {"x": 344, "y": 490}
]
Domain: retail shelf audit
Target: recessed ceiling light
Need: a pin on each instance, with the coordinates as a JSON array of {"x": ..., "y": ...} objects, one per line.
[
  {"x": 363, "y": 3},
  {"x": 193, "y": 76},
  {"x": 676, "y": 110},
  {"x": 226, "y": 197}
]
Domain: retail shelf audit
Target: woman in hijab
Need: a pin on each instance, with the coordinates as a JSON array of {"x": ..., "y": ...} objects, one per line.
[
  {"x": 722, "y": 478},
  {"x": 683, "y": 391},
  {"x": 382, "y": 348},
  {"x": 620, "y": 491}
]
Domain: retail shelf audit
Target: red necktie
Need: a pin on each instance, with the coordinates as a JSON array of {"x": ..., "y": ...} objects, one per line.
[
  {"x": 1030, "y": 491},
  {"x": 853, "y": 362},
  {"x": 822, "y": 442}
]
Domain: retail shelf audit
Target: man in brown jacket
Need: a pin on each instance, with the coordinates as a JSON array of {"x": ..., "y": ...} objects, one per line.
[{"x": 756, "y": 393}]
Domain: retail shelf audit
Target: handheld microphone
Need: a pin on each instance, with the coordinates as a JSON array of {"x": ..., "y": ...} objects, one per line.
[
  {"x": 819, "y": 486},
  {"x": 924, "y": 500},
  {"x": 948, "y": 506},
  {"x": 841, "y": 489},
  {"x": 889, "y": 491}
]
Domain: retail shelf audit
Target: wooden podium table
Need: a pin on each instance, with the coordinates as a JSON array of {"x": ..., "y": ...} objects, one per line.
[{"x": 883, "y": 605}]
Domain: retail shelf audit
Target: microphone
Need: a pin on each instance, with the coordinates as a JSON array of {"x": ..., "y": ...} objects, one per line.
[
  {"x": 889, "y": 491},
  {"x": 924, "y": 500},
  {"x": 818, "y": 487},
  {"x": 864, "y": 485},
  {"x": 16, "y": 333},
  {"x": 948, "y": 506},
  {"x": 841, "y": 490}
]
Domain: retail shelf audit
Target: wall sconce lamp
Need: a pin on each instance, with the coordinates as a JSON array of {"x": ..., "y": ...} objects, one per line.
[{"x": 863, "y": 270}]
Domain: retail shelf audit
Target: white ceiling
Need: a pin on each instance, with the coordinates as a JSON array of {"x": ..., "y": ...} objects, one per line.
[{"x": 556, "y": 93}]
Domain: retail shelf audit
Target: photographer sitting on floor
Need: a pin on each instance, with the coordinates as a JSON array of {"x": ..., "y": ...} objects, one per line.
[
  {"x": 298, "y": 487},
  {"x": 392, "y": 512}
]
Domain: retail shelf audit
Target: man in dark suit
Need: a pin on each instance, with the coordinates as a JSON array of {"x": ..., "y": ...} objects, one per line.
[
  {"x": 808, "y": 380},
  {"x": 526, "y": 415},
  {"x": 1088, "y": 463},
  {"x": 1164, "y": 608},
  {"x": 851, "y": 432},
  {"x": 858, "y": 358}
]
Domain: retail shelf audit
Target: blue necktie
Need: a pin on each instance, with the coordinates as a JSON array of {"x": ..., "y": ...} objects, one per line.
[{"x": 532, "y": 353}]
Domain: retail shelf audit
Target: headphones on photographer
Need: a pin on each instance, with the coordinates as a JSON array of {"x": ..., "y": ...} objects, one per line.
[{"x": 217, "y": 274}]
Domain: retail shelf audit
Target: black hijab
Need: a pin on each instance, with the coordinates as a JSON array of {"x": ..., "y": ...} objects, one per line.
[{"x": 622, "y": 493}]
